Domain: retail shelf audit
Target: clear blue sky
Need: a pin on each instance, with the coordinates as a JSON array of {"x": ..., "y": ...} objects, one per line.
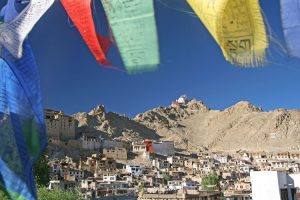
[{"x": 191, "y": 64}]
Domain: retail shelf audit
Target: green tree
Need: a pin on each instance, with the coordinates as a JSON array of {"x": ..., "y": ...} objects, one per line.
[
  {"x": 41, "y": 171},
  {"x": 167, "y": 177},
  {"x": 58, "y": 194},
  {"x": 3, "y": 195},
  {"x": 55, "y": 194},
  {"x": 210, "y": 182}
]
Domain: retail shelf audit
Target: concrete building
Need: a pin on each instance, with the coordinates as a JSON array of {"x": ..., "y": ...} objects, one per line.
[
  {"x": 258, "y": 154},
  {"x": 180, "y": 185},
  {"x": 109, "y": 178},
  {"x": 261, "y": 160},
  {"x": 106, "y": 189},
  {"x": 105, "y": 164},
  {"x": 295, "y": 155},
  {"x": 89, "y": 183},
  {"x": 134, "y": 170},
  {"x": 175, "y": 160},
  {"x": 95, "y": 143},
  {"x": 165, "y": 148},
  {"x": 181, "y": 101},
  {"x": 237, "y": 195},
  {"x": 63, "y": 184},
  {"x": 116, "y": 153},
  {"x": 222, "y": 159},
  {"x": 246, "y": 156},
  {"x": 281, "y": 156},
  {"x": 184, "y": 195},
  {"x": 274, "y": 185},
  {"x": 119, "y": 197},
  {"x": 90, "y": 143},
  {"x": 242, "y": 186},
  {"x": 146, "y": 155},
  {"x": 160, "y": 164},
  {"x": 139, "y": 147},
  {"x": 117, "y": 188},
  {"x": 98, "y": 165},
  {"x": 175, "y": 185},
  {"x": 189, "y": 163},
  {"x": 60, "y": 125},
  {"x": 279, "y": 165},
  {"x": 77, "y": 175}
]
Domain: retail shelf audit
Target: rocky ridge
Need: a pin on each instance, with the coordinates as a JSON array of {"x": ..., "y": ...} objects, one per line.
[{"x": 194, "y": 126}]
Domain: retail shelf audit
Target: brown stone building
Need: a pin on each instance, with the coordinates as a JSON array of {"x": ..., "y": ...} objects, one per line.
[{"x": 116, "y": 153}]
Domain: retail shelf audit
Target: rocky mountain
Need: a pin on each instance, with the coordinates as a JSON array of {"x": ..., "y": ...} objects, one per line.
[
  {"x": 98, "y": 122},
  {"x": 191, "y": 124}
]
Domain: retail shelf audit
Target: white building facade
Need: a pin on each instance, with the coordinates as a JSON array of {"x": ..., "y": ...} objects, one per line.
[
  {"x": 134, "y": 170},
  {"x": 274, "y": 185}
]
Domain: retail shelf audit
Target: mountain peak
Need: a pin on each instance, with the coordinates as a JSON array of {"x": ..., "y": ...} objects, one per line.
[
  {"x": 243, "y": 107},
  {"x": 98, "y": 110},
  {"x": 197, "y": 105}
]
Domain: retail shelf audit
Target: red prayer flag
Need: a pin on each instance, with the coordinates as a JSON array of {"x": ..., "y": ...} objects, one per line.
[{"x": 81, "y": 14}]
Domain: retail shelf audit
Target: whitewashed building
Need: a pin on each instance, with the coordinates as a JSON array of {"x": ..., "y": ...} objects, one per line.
[
  {"x": 138, "y": 147},
  {"x": 274, "y": 185},
  {"x": 109, "y": 178},
  {"x": 134, "y": 170},
  {"x": 161, "y": 164},
  {"x": 221, "y": 159},
  {"x": 175, "y": 160},
  {"x": 179, "y": 185}
]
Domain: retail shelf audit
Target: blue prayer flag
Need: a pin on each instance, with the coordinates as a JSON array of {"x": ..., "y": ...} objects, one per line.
[
  {"x": 22, "y": 124},
  {"x": 290, "y": 15}
]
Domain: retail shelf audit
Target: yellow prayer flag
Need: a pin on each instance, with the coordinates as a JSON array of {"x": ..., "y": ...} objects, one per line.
[{"x": 237, "y": 26}]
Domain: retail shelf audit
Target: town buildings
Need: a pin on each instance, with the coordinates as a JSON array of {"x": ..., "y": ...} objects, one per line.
[
  {"x": 243, "y": 177},
  {"x": 182, "y": 195},
  {"x": 148, "y": 169},
  {"x": 165, "y": 148}
]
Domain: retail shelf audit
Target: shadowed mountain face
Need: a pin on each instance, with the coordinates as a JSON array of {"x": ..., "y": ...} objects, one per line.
[
  {"x": 98, "y": 122},
  {"x": 193, "y": 125}
]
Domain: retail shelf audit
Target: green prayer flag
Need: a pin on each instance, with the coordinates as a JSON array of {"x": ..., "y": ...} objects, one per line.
[{"x": 134, "y": 29}]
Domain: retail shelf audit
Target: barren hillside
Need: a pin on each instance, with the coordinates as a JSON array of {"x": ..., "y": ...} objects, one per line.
[{"x": 193, "y": 125}]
